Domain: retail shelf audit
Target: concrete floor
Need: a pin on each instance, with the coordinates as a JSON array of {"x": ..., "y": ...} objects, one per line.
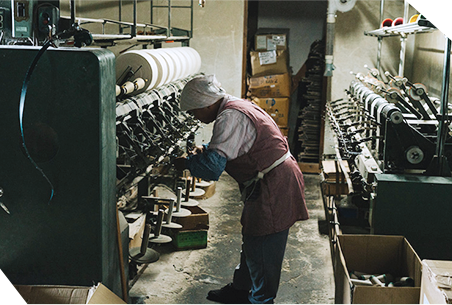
[{"x": 185, "y": 277}]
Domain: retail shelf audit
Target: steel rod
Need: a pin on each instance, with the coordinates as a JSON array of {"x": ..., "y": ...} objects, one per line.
[
  {"x": 152, "y": 11},
  {"x": 442, "y": 130},
  {"x": 134, "y": 26},
  {"x": 72, "y": 4},
  {"x": 380, "y": 40},
  {"x": 120, "y": 15},
  {"x": 403, "y": 39},
  {"x": 191, "y": 20},
  {"x": 168, "y": 33}
]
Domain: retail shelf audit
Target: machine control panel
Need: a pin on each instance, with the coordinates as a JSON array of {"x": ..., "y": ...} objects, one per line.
[
  {"x": 48, "y": 16},
  {"x": 2, "y": 18},
  {"x": 5, "y": 22},
  {"x": 22, "y": 20},
  {"x": 22, "y": 11}
]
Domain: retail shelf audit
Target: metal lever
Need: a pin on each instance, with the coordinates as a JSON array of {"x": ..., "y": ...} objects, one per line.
[{"x": 2, "y": 204}]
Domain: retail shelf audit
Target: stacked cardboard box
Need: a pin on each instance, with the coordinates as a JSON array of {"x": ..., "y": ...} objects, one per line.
[{"x": 270, "y": 83}]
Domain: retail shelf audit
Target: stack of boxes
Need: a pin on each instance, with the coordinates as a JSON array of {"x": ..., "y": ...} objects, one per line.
[{"x": 270, "y": 83}]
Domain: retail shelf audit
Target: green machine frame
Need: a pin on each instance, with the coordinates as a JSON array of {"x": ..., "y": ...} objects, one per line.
[
  {"x": 69, "y": 128},
  {"x": 417, "y": 207}
]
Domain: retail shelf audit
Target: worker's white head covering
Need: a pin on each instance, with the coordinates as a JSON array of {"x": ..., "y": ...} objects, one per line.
[{"x": 201, "y": 92}]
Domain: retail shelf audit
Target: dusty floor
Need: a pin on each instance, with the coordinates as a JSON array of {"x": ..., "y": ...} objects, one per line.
[{"x": 185, "y": 277}]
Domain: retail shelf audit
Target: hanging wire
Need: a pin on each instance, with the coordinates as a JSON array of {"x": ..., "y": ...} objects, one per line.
[{"x": 23, "y": 94}]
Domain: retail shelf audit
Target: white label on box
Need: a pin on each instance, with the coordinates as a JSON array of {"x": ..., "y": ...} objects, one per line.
[
  {"x": 271, "y": 45},
  {"x": 267, "y": 58},
  {"x": 261, "y": 42},
  {"x": 279, "y": 40}
]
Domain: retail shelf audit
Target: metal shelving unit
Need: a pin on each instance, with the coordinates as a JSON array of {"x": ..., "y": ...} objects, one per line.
[
  {"x": 158, "y": 34},
  {"x": 421, "y": 26}
]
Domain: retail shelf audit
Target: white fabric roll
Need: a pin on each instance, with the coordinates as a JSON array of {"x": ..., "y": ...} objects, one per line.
[
  {"x": 135, "y": 59},
  {"x": 171, "y": 65},
  {"x": 162, "y": 67},
  {"x": 159, "y": 66},
  {"x": 178, "y": 61}
]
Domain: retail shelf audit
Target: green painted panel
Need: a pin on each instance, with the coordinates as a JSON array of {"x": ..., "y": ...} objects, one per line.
[
  {"x": 417, "y": 207},
  {"x": 69, "y": 125}
]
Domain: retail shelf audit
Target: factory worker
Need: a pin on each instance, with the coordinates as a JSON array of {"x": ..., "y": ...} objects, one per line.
[{"x": 248, "y": 144}]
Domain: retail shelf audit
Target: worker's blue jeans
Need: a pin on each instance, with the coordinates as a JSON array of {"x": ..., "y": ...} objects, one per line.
[{"x": 260, "y": 266}]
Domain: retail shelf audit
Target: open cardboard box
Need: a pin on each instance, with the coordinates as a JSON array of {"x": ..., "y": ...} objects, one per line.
[
  {"x": 197, "y": 220},
  {"x": 436, "y": 286},
  {"x": 376, "y": 254},
  {"x": 49, "y": 294}
]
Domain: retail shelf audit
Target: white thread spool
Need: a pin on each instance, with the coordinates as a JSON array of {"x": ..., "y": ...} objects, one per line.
[
  {"x": 139, "y": 83},
  {"x": 376, "y": 281},
  {"x": 127, "y": 88},
  {"x": 118, "y": 90},
  {"x": 361, "y": 282}
]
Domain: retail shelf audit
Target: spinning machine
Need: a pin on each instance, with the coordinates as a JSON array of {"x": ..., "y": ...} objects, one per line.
[
  {"x": 389, "y": 133},
  {"x": 82, "y": 132}
]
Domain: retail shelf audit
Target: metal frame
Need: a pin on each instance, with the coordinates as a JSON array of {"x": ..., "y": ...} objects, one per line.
[
  {"x": 421, "y": 26},
  {"x": 133, "y": 38}
]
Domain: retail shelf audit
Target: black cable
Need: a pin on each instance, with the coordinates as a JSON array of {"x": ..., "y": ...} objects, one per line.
[{"x": 22, "y": 106}]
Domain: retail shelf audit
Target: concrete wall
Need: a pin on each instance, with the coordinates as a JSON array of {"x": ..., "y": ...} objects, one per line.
[
  {"x": 217, "y": 30},
  {"x": 353, "y": 50},
  {"x": 428, "y": 62}
]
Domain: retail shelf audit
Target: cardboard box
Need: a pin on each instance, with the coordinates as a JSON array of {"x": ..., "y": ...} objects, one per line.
[
  {"x": 284, "y": 131},
  {"x": 334, "y": 189},
  {"x": 68, "y": 295},
  {"x": 209, "y": 191},
  {"x": 436, "y": 282},
  {"x": 277, "y": 108},
  {"x": 331, "y": 170},
  {"x": 268, "y": 39},
  {"x": 269, "y": 62},
  {"x": 198, "y": 220},
  {"x": 136, "y": 229},
  {"x": 376, "y": 254},
  {"x": 277, "y": 85}
]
